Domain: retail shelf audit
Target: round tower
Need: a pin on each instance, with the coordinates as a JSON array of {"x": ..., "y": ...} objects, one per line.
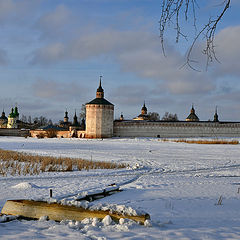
[{"x": 99, "y": 116}]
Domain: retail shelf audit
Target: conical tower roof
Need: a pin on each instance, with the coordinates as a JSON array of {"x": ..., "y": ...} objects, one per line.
[
  {"x": 100, "y": 89},
  {"x": 100, "y": 100},
  {"x": 192, "y": 117}
]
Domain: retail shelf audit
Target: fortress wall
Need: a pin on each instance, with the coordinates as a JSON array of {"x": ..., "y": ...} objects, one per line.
[
  {"x": 175, "y": 129},
  {"x": 14, "y": 132}
]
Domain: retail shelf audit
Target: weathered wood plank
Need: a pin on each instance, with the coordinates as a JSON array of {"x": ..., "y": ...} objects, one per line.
[
  {"x": 95, "y": 196},
  {"x": 54, "y": 211}
]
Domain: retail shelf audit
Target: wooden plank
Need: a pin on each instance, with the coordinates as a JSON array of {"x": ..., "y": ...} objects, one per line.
[
  {"x": 95, "y": 196},
  {"x": 54, "y": 211}
]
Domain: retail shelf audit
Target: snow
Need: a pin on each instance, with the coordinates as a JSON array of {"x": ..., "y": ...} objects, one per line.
[
  {"x": 25, "y": 185},
  {"x": 107, "y": 220},
  {"x": 178, "y": 184}
]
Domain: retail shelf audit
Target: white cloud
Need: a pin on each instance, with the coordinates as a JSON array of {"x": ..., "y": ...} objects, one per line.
[
  {"x": 136, "y": 52},
  {"x": 7, "y": 8},
  {"x": 17, "y": 11},
  {"x": 50, "y": 89},
  {"x": 54, "y": 22},
  {"x": 51, "y": 53},
  {"x": 228, "y": 51}
]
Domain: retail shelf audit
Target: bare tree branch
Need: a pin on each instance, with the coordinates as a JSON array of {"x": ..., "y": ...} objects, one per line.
[{"x": 172, "y": 11}]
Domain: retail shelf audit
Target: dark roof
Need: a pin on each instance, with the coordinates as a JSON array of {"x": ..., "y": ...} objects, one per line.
[
  {"x": 48, "y": 127},
  {"x": 192, "y": 116},
  {"x": 144, "y": 107},
  {"x": 144, "y": 116},
  {"x": 3, "y": 117},
  {"x": 100, "y": 89},
  {"x": 100, "y": 101}
]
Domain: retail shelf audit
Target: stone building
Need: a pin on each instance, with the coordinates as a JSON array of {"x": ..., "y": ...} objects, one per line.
[
  {"x": 100, "y": 123},
  {"x": 99, "y": 116},
  {"x": 65, "y": 120},
  {"x": 192, "y": 117},
  {"x": 3, "y": 120},
  {"x": 143, "y": 115},
  {"x": 13, "y": 118},
  {"x": 65, "y": 123}
]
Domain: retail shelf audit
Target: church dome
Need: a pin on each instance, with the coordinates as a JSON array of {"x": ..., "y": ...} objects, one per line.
[
  {"x": 144, "y": 109},
  {"x": 192, "y": 117},
  {"x": 12, "y": 115},
  {"x": 3, "y": 117}
]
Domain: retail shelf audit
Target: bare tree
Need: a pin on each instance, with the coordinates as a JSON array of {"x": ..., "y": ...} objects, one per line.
[
  {"x": 83, "y": 112},
  {"x": 24, "y": 118},
  {"x": 170, "y": 117},
  {"x": 29, "y": 119},
  {"x": 173, "y": 11},
  {"x": 154, "y": 116},
  {"x": 42, "y": 121}
]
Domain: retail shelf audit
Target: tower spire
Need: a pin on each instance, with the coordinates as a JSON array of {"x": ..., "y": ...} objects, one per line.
[
  {"x": 192, "y": 110},
  {"x": 215, "y": 118},
  {"x": 100, "y": 81},
  {"x": 75, "y": 121},
  {"x": 66, "y": 116},
  {"x": 100, "y": 91},
  {"x": 144, "y": 109}
]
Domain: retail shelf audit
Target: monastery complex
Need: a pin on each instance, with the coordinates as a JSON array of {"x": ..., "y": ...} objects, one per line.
[{"x": 100, "y": 123}]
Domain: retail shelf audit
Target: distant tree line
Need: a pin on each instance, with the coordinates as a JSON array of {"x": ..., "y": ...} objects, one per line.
[
  {"x": 170, "y": 117},
  {"x": 154, "y": 116},
  {"x": 38, "y": 121}
]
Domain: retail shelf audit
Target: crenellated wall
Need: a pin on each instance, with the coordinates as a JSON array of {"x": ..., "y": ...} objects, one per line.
[
  {"x": 143, "y": 129},
  {"x": 179, "y": 129}
]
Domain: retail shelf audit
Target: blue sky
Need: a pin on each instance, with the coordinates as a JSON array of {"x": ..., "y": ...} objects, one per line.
[{"x": 53, "y": 52}]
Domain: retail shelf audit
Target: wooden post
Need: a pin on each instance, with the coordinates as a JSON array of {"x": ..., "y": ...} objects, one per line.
[
  {"x": 50, "y": 193},
  {"x": 104, "y": 193}
]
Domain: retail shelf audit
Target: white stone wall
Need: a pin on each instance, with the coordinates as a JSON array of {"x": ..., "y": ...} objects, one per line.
[
  {"x": 99, "y": 121},
  {"x": 14, "y": 132},
  {"x": 12, "y": 122},
  {"x": 175, "y": 129}
]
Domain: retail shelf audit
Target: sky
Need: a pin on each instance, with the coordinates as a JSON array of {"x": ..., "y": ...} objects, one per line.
[{"x": 52, "y": 54}]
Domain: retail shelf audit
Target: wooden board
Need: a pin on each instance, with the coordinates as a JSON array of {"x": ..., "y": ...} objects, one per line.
[
  {"x": 96, "y": 196},
  {"x": 54, "y": 211}
]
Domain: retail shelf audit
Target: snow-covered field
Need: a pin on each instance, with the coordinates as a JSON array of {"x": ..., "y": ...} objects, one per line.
[{"x": 178, "y": 184}]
